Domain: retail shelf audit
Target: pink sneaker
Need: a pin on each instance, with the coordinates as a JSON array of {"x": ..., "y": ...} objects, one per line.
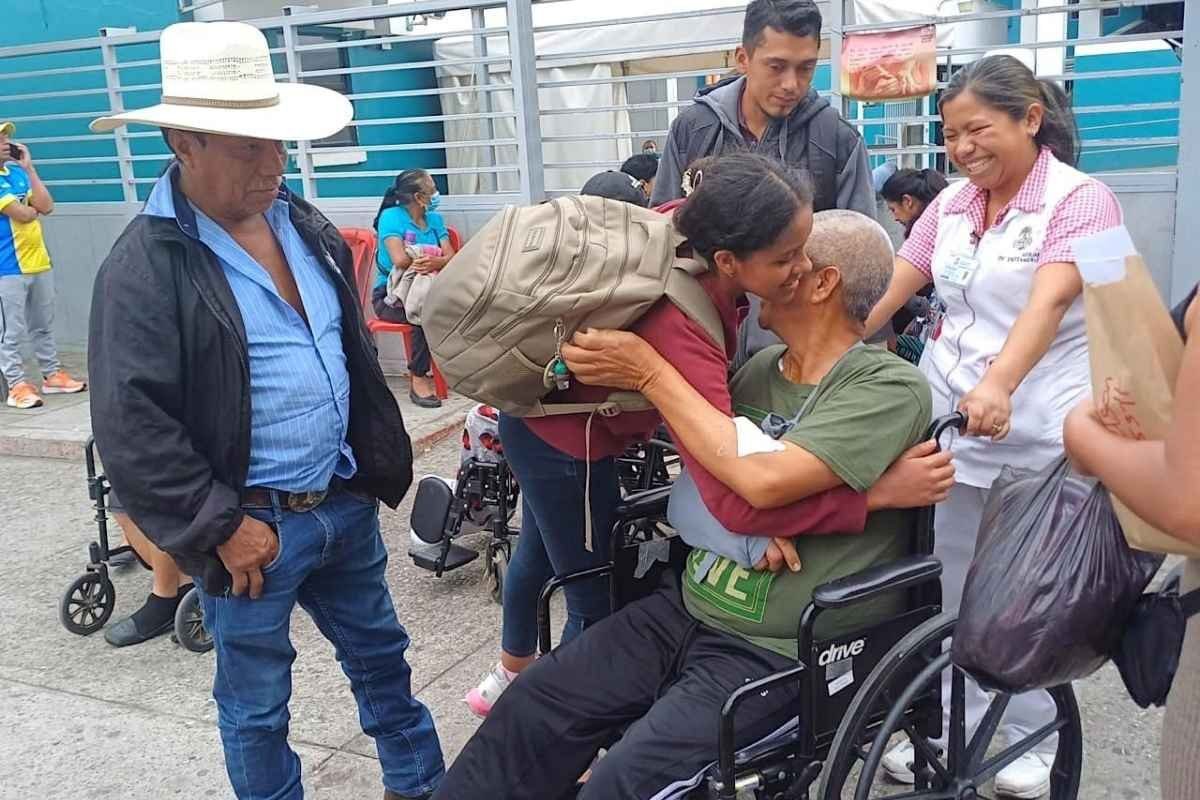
[{"x": 481, "y": 699}]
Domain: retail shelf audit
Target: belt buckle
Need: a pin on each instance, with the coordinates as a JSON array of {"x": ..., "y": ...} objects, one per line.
[{"x": 302, "y": 502}]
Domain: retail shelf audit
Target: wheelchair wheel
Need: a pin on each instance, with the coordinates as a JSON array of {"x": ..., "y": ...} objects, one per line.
[
  {"x": 498, "y": 573},
  {"x": 899, "y": 697},
  {"x": 189, "y": 624},
  {"x": 87, "y": 604}
]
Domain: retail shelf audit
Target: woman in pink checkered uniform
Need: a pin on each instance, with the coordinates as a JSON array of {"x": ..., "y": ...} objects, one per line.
[{"x": 1012, "y": 349}]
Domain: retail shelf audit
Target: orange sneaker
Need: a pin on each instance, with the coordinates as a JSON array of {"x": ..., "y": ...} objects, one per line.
[
  {"x": 61, "y": 382},
  {"x": 23, "y": 395}
]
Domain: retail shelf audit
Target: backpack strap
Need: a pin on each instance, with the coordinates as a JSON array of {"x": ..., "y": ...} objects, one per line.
[
  {"x": 689, "y": 297},
  {"x": 826, "y": 129},
  {"x": 615, "y": 404}
]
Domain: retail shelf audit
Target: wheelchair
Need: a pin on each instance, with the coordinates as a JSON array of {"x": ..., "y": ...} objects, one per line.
[
  {"x": 838, "y": 737},
  {"x": 89, "y": 601},
  {"x": 484, "y": 496},
  {"x": 648, "y": 465}
]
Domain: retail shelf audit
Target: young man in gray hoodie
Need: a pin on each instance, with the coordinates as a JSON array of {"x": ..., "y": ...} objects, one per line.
[{"x": 772, "y": 109}]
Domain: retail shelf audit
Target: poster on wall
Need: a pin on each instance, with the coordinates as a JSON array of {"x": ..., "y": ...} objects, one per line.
[{"x": 892, "y": 65}]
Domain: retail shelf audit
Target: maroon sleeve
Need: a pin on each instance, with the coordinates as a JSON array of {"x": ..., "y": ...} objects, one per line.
[
  {"x": 839, "y": 510},
  {"x": 686, "y": 346}
]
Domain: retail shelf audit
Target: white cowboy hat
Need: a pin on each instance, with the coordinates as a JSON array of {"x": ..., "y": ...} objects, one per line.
[{"x": 217, "y": 78}]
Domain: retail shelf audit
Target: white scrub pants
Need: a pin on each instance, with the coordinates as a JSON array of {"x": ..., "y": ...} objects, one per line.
[{"x": 956, "y": 526}]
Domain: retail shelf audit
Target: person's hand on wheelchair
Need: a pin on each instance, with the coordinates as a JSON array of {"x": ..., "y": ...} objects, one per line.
[
  {"x": 922, "y": 476},
  {"x": 619, "y": 359}
]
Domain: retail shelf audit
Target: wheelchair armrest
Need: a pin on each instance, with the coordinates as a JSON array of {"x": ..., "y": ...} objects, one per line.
[
  {"x": 650, "y": 503},
  {"x": 867, "y": 583},
  {"x": 552, "y": 586}
]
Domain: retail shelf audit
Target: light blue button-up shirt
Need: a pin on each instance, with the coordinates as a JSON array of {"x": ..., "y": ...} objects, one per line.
[{"x": 299, "y": 384}]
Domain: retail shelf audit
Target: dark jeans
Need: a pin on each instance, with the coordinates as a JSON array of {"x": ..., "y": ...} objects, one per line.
[
  {"x": 552, "y": 540},
  {"x": 652, "y": 667},
  {"x": 331, "y": 561},
  {"x": 420, "y": 360}
]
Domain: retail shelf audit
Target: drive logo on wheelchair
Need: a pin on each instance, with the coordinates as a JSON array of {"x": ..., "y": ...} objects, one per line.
[{"x": 840, "y": 652}]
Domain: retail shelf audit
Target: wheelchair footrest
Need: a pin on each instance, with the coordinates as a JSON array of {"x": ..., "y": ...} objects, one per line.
[{"x": 427, "y": 557}]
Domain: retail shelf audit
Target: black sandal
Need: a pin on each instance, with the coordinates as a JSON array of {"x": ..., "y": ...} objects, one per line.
[{"x": 431, "y": 401}]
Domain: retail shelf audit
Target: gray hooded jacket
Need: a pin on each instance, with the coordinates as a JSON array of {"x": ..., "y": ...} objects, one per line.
[{"x": 814, "y": 138}]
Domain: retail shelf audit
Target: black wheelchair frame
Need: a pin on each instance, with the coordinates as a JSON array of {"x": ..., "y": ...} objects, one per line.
[
  {"x": 489, "y": 489},
  {"x": 89, "y": 601},
  {"x": 902, "y": 692},
  {"x": 482, "y": 489}
]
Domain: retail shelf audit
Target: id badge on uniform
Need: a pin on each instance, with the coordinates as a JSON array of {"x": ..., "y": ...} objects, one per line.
[{"x": 959, "y": 270}]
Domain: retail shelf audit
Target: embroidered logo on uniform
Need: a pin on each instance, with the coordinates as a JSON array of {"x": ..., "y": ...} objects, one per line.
[{"x": 1025, "y": 238}]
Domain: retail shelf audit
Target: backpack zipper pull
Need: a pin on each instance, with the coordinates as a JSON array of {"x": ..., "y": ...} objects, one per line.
[{"x": 558, "y": 367}]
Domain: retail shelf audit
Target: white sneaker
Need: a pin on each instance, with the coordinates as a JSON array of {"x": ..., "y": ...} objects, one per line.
[
  {"x": 898, "y": 763},
  {"x": 481, "y": 699},
  {"x": 1026, "y": 778}
]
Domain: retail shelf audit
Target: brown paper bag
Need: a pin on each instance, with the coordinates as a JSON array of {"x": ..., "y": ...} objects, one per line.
[{"x": 1135, "y": 354}]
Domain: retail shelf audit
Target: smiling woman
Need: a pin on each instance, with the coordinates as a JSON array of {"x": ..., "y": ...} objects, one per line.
[
  {"x": 747, "y": 220},
  {"x": 1012, "y": 351}
]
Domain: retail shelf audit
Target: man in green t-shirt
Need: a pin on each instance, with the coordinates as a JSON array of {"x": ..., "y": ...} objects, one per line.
[
  {"x": 868, "y": 408},
  {"x": 662, "y": 667}
]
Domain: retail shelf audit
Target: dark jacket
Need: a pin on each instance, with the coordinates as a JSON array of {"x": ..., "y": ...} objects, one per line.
[
  {"x": 170, "y": 386},
  {"x": 814, "y": 138}
]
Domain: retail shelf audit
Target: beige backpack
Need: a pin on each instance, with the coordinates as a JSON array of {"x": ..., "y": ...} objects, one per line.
[{"x": 499, "y": 312}]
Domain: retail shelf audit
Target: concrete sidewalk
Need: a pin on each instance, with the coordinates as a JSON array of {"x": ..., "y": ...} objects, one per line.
[
  {"x": 81, "y": 719},
  {"x": 60, "y": 428}
]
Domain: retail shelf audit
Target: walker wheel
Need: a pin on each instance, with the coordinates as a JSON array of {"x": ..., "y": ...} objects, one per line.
[
  {"x": 189, "y": 624},
  {"x": 87, "y": 604}
]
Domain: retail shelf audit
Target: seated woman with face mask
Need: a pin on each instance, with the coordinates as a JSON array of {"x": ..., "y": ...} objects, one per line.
[{"x": 412, "y": 237}]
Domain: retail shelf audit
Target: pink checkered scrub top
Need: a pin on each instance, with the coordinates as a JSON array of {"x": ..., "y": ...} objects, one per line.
[{"x": 1055, "y": 205}]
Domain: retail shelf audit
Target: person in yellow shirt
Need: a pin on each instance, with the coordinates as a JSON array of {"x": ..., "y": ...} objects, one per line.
[{"x": 26, "y": 287}]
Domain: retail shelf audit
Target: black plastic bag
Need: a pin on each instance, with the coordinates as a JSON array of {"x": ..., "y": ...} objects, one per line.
[{"x": 1052, "y": 584}]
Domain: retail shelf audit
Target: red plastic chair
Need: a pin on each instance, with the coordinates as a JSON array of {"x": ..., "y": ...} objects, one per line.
[{"x": 363, "y": 242}]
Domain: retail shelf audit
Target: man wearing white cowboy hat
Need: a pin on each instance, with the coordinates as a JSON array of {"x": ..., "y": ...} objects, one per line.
[{"x": 241, "y": 412}]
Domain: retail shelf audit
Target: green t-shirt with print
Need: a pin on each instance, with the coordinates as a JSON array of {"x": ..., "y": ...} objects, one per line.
[{"x": 871, "y": 407}]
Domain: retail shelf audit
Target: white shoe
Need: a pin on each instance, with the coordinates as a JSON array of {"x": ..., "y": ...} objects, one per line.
[
  {"x": 481, "y": 699},
  {"x": 898, "y": 763},
  {"x": 1026, "y": 778}
]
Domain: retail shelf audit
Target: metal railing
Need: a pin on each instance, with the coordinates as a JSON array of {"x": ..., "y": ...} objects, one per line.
[
  {"x": 498, "y": 108},
  {"x": 914, "y": 138},
  {"x": 393, "y": 79}
]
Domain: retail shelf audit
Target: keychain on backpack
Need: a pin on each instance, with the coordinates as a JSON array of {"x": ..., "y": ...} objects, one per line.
[{"x": 558, "y": 370}]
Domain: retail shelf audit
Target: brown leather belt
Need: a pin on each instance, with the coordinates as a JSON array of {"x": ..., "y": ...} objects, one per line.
[{"x": 300, "y": 502}]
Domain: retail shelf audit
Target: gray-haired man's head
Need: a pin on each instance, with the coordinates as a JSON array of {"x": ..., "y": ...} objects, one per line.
[
  {"x": 852, "y": 259},
  {"x": 861, "y": 250}
]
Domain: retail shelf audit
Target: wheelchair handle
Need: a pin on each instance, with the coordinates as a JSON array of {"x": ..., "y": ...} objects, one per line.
[{"x": 957, "y": 421}]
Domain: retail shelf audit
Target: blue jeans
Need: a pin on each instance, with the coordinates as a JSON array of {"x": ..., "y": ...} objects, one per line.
[
  {"x": 551, "y": 541},
  {"x": 331, "y": 560}
]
